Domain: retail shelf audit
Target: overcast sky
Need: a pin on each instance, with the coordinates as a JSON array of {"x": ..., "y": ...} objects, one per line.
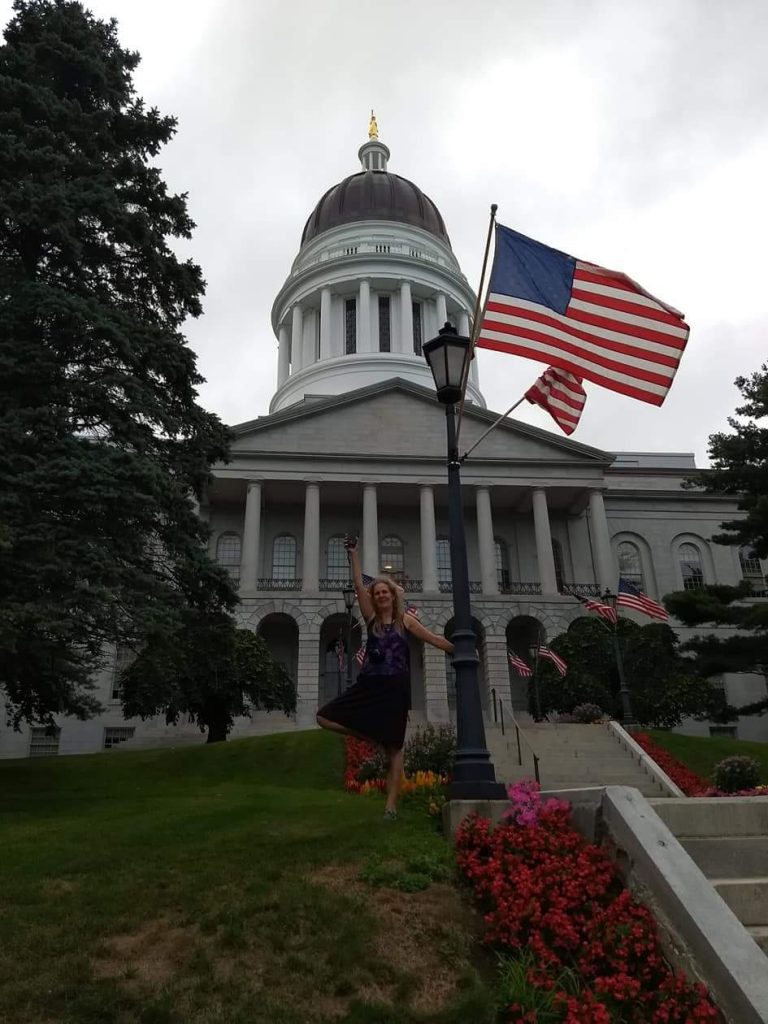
[{"x": 633, "y": 134}]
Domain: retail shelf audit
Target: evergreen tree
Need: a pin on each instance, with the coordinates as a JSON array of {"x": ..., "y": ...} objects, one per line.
[
  {"x": 210, "y": 671},
  {"x": 739, "y": 468},
  {"x": 102, "y": 441}
]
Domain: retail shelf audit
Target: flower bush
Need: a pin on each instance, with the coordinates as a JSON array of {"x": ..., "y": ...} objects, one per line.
[
  {"x": 587, "y": 713},
  {"x": 690, "y": 783},
  {"x": 736, "y": 773},
  {"x": 576, "y": 946},
  {"x": 364, "y": 770},
  {"x": 431, "y": 749}
]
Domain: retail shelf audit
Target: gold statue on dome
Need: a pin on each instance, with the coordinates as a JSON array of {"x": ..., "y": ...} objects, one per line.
[{"x": 373, "y": 128}]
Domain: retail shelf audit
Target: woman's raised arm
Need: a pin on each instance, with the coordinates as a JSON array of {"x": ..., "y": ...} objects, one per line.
[
  {"x": 413, "y": 625},
  {"x": 363, "y": 597}
]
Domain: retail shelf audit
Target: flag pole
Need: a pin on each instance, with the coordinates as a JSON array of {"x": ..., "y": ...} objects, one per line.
[
  {"x": 476, "y": 319},
  {"x": 627, "y": 711},
  {"x": 495, "y": 424}
]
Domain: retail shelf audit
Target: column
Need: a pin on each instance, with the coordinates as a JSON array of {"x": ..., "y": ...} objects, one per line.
[
  {"x": 364, "y": 318},
  {"x": 544, "y": 553},
  {"x": 297, "y": 330},
  {"x": 442, "y": 311},
  {"x": 249, "y": 558},
  {"x": 311, "y": 559},
  {"x": 310, "y": 338},
  {"x": 370, "y": 556},
  {"x": 464, "y": 323},
  {"x": 428, "y": 539},
  {"x": 435, "y": 685},
  {"x": 283, "y": 355},
  {"x": 308, "y": 678},
  {"x": 406, "y": 318},
  {"x": 605, "y": 566},
  {"x": 485, "y": 543},
  {"x": 325, "y": 323}
]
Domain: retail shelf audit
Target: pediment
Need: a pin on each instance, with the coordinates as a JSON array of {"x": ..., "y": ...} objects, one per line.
[{"x": 401, "y": 419}]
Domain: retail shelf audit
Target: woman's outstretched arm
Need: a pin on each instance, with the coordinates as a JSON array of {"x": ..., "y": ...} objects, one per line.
[
  {"x": 363, "y": 597},
  {"x": 413, "y": 625}
]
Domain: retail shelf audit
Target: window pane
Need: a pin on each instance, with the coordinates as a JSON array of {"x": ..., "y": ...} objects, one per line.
[
  {"x": 228, "y": 554},
  {"x": 417, "y": 336},
  {"x": 338, "y": 567},
  {"x": 392, "y": 557},
  {"x": 350, "y": 326},
  {"x": 502, "y": 565},
  {"x": 119, "y": 734},
  {"x": 123, "y": 658},
  {"x": 750, "y": 563},
  {"x": 284, "y": 558},
  {"x": 630, "y": 565},
  {"x": 44, "y": 742},
  {"x": 557, "y": 555},
  {"x": 690, "y": 567},
  {"x": 443, "y": 560},
  {"x": 384, "y": 326}
]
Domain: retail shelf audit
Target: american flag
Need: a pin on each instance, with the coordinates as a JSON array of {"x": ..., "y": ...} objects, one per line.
[
  {"x": 557, "y": 661},
  {"x": 606, "y": 610},
  {"x": 561, "y": 395},
  {"x": 518, "y": 664},
  {"x": 595, "y": 323},
  {"x": 413, "y": 610},
  {"x": 360, "y": 656},
  {"x": 339, "y": 649},
  {"x": 630, "y": 597}
]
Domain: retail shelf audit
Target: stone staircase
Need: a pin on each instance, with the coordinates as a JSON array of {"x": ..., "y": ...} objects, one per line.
[
  {"x": 728, "y": 840},
  {"x": 570, "y": 757}
]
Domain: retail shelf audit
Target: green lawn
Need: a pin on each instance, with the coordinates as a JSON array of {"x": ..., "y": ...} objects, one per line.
[
  {"x": 231, "y": 884},
  {"x": 701, "y": 753}
]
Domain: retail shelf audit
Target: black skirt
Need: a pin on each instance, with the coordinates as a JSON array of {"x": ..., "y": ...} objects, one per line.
[{"x": 375, "y": 707}]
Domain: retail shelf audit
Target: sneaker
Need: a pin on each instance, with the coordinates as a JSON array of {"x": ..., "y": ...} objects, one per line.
[{"x": 390, "y": 815}]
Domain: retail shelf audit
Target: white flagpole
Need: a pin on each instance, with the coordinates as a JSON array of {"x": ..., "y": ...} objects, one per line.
[{"x": 495, "y": 424}]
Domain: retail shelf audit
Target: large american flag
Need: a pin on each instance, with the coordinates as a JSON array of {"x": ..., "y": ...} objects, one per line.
[
  {"x": 597, "y": 324},
  {"x": 630, "y": 597},
  {"x": 517, "y": 663},
  {"x": 557, "y": 661},
  {"x": 561, "y": 395}
]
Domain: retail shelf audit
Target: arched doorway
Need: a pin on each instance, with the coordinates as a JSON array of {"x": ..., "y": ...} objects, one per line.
[
  {"x": 450, "y": 675},
  {"x": 333, "y": 656},
  {"x": 281, "y": 635},
  {"x": 524, "y": 635}
]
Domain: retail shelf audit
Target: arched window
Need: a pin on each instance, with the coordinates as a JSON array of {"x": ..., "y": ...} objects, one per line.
[
  {"x": 444, "y": 575},
  {"x": 750, "y": 563},
  {"x": 630, "y": 564},
  {"x": 284, "y": 557},
  {"x": 392, "y": 557},
  {"x": 557, "y": 555},
  {"x": 338, "y": 566},
  {"x": 228, "y": 554},
  {"x": 690, "y": 567},
  {"x": 502, "y": 563}
]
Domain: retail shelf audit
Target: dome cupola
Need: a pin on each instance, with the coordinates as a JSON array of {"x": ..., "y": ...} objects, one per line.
[{"x": 374, "y": 278}]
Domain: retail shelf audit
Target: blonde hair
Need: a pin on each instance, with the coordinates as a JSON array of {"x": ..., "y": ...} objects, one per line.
[{"x": 398, "y": 604}]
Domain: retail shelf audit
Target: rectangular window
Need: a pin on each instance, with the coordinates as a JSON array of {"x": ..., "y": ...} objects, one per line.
[
  {"x": 350, "y": 326},
  {"x": 123, "y": 658},
  {"x": 384, "y": 331},
  {"x": 117, "y": 735},
  {"x": 417, "y": 328},
  {"x": 44, "y": 742}
]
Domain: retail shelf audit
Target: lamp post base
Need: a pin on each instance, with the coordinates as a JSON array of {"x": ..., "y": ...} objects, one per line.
[{"x": 477, "y": 789}]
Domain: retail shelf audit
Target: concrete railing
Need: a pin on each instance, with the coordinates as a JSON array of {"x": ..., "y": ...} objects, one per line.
[{"x": 647, "y": 762}]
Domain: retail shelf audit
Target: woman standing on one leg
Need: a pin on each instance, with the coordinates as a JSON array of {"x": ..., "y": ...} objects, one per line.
[{"x": 376, "y": 707}]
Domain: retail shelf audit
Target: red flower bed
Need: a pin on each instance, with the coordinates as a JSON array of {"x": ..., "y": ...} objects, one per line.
[
  {"x": 356, "y": 752},
  {"x": 550, "y": 895},
  {"x": 690, "y": 783}
]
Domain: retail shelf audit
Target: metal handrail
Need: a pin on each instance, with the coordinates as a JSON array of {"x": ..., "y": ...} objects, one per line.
[{"x": 518, "y": 735}]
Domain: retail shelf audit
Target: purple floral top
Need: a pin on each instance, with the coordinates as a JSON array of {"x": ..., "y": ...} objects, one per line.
[{"x": 387, "y": 654}]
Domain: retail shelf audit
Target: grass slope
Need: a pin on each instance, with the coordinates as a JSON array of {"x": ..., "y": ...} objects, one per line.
[
  {"x": 701, "y": 753},
  {"x": 222, "y": 885}
]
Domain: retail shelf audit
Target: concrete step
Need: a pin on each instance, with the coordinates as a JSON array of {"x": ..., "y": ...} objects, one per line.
[
  {"x": 747, "y": 898},
  {"x": 715, "y": 816},
  {"x": 729, "y": 856},
  {"x": 759, "y": 933}
]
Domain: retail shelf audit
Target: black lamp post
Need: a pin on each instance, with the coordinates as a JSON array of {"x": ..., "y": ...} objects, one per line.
[
  {"x": 474, "y": 777},
  {"x": 628, "y": 714},
  {"x": 349, "y": 604}
]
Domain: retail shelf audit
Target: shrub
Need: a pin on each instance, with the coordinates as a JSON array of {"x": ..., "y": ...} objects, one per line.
[
  {"x": 373, "y": 767},
  {"x": 736, "y": 772},
  {"x": 587, "y": 713},
  {"x": 431, "y": 749}
]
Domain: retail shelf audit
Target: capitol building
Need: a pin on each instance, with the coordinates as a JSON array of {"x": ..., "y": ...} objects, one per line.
[{"x": 354, "y": 442}]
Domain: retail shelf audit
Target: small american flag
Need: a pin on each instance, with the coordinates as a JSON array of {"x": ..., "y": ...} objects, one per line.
[
  {"x": 557, "y": 661},
  {"x": 597, "y": 324},
  {"x": 339, "y": 649},
  {"x": 519, "y": 665},
  {"x": 631, "y": 597},
  {"x": 561, "y": 395},
  {"x": 601, "y": 608},
  {"x": 360, "y": 656},
  {"x": 413, "y": 610},
  {"x": 367, "y": 580}
]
